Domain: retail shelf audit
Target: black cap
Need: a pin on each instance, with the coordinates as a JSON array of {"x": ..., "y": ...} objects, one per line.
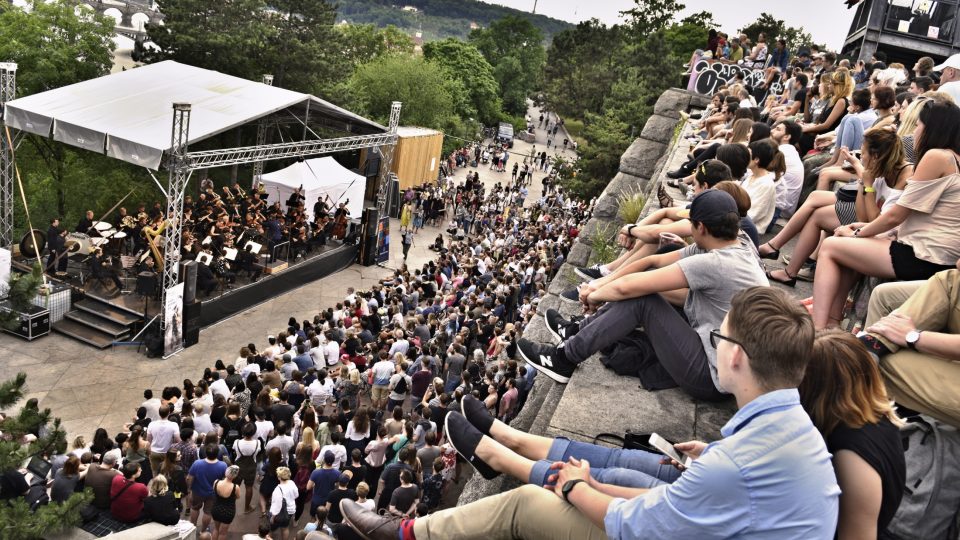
[{"x": 712, "y": 205}]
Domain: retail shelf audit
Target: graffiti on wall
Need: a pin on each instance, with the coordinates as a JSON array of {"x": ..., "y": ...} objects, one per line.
[{"x": 709, "y": 75}]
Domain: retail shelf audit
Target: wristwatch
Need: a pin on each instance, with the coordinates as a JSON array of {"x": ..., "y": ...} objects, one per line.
[
  {"x": 912, "y": 338},
  {"x": 568, "y": 487}
]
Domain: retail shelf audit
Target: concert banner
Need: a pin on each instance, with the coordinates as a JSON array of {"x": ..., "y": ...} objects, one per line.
[
  {"x": 173, "y": 320},
  {"x": 383, "y": 240},
  {"x": 4, "y": 271}
]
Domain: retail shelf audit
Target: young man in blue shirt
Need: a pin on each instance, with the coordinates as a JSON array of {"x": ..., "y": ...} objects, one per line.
[{"x": 770, "y": 477}]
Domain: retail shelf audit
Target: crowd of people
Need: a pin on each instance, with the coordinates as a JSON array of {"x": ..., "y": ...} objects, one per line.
[
  {"x": 360, "y": 416},
  {"x": 348, "y": 405}
]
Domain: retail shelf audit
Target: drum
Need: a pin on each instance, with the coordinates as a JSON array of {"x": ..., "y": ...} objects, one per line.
[
  {"x": 97, "y": 242},
  {"x": 102, "y": 226},
  {"x": 27, "y": 249},
  {"x": 78, "y": 243}
]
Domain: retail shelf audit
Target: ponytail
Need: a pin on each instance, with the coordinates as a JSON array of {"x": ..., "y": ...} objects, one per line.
[{"x": 778, "y": 166}]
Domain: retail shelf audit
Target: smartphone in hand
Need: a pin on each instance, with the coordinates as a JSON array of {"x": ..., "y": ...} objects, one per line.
[{"x": 666, "y": 448}]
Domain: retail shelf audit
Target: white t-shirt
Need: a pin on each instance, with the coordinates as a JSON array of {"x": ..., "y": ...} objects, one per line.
[
  {"x": 394, "y": 381},
  {"x": 332, "y": 350},
  {"x": 202, "y": 423},
  {"x": 220, "y": 387},
  {"x": 763, "y": 200},
  {"x": 952, "y": 88},
  {"x": 162, "y": 435},
  {"x": 339, "y": 453},
  {"x": 248, "y": 369},
  {"x": 263, "y": 429},
  {"x": 287, "y": 490},
  {"x": 791, "y": 183},
  {"x": 153, "y": 408},
  {"x": 320, "y": 392},
  {"x": 382, "y": 371},
  {"x": 284, "y": 443}
]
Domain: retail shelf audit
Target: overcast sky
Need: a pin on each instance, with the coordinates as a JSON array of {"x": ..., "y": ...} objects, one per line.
[{"x": 826, "y": 20}]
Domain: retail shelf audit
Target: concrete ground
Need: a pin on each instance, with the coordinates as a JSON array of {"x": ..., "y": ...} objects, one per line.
[{"x": 87, "y": 388}]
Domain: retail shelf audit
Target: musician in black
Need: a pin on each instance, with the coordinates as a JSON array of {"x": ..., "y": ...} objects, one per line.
[
  {"x": 321, "y": 208},
  {"x": 295, "y": 198},
  {"x": 86, "y": 223},
  {"x": 57, "y": 260},
  {"x": 247, "y": 262},
  {"x": 221, "y": 267},
  {"x": 100, "y": 271},
  {"x": 206, "y": 281}
]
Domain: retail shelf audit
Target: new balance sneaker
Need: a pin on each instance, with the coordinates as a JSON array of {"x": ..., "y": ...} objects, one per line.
[
  {"x": 465, "y": 438},
  {"x": 547, "y": 359},
  {"x": 588, "y": 272},
  {"x": 559, "y": 326}
]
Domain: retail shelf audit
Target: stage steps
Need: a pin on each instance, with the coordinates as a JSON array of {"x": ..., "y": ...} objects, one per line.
[{"x": 98, "y": 322}]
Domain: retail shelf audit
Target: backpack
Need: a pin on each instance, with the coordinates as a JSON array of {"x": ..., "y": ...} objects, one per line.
[
  {"x": 401, "y": 387},
  {"x": 232, "y": 432},
  {"x": 931, "y": 498}
]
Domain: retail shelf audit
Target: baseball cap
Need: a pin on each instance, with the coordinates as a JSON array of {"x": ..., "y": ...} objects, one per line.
[
  {"x": 711, "y": 205},
  {"x": 329, "y": 457},
  {"x": 953, "y": 62}
]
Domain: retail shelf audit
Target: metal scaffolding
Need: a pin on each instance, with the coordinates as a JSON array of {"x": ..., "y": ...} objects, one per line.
[
  {"x": 8, "y": 90},
  {"x": 386, "y": 176},
  {"x": 262, "y": 138},
  {"x": 179, "y": 175}
]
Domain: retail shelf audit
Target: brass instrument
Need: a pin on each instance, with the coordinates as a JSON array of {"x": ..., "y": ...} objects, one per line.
[
  {"x": 240, "y": 191},
  {"x": 128, "y": 222}
]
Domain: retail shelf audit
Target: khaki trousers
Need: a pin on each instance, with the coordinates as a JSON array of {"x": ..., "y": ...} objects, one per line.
[
  {"x": 528, "y": 513},
  {"x": 918, "y": 381}
]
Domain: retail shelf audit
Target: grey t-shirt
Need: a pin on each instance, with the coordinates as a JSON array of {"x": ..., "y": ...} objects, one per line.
[
  {"x": 455, "y": 364},
  {"x": 714, "y": 278}
]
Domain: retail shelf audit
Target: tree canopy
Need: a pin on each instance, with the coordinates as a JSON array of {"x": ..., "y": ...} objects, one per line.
[
  {"x": 513, "y": 47},
  {"x": 465, "y": 63},
  {"x": 775, "y": 28}
]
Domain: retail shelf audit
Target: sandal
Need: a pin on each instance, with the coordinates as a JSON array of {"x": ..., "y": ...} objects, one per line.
[
  {"x": 790, "y": 282},
  {"x": 665, "y": 200},
  {"x": 773, "y": 255}
]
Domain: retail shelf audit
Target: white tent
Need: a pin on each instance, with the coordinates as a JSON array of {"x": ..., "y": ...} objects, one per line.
[
  {"x": 319, "y": 177},
  {"x": 129, "y": 115}
]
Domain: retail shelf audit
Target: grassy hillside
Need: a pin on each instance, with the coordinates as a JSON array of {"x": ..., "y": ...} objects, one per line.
[{"x": 439, "y": 18}]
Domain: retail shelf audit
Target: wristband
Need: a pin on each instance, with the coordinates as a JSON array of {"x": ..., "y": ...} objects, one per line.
[
  {"x": 568, "y": 487},
  {"x": 630, "y": 229},
  {"x": 868, "y": 189}
]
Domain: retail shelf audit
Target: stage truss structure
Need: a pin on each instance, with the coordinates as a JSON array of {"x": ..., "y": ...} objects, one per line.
[{"x": 181, "y": 163}]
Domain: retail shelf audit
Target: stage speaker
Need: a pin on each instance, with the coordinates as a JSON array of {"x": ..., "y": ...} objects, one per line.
[
  {"x": 188, "y": 276},
  {"x": 372, "y": 168},
  {"x": 368, "y": 238},
  {"x": 191, "y": 322}
]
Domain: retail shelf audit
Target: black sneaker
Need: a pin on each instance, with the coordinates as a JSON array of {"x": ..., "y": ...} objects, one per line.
[
  {"x": 559, "y": 326},
  {"x": 464, "y": 438},
  {"x": 571, "y": 295},
  {"x": 476, "y": 413},
  {"x": 548, "y": 359},
  {"x": 588, "y": 272},
  {"x": 682, "y": 172}
]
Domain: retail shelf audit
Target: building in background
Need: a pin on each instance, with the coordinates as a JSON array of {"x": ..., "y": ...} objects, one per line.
[{"x": 903, "y": 29}]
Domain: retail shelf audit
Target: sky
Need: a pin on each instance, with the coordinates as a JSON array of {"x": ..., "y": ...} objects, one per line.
[{"x": 826, "y": 20}]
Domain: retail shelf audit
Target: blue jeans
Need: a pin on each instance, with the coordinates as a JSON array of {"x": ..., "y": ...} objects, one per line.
[{"x": 625, "y": 468}]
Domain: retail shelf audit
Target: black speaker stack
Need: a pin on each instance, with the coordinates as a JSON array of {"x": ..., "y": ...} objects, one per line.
[{"x": 368, "y": 237}]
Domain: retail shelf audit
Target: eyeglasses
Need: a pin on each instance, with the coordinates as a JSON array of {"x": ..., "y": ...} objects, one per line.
[{"x": 715, "y": 335}]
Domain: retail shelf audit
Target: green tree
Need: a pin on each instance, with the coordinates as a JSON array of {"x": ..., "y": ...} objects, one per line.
[
  {"x": 301, "y": 45},
  {"x": 775, "y": 28},
  {"x": 582, "y": 64},
  {"x": 224, "y": 36},
  {"x": 465, "y": 63},
  {"x": 362, "y": 43},
  {"x": 690, "y": 33},
  {"x": 651, "y": 15},
  {"x": 17, "y": 520},
  {"x": 423, "y": 87},
  {"x": 514, "y": 47},
  {"x": 53, "y": 45}
]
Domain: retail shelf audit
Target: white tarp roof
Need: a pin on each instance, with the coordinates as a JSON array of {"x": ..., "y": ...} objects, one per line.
[
  {"x": 129, "y": 115},
  {"x": 319, "y": 177}
]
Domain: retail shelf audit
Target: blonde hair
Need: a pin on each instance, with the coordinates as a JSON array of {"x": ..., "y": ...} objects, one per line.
[
  {"x": 740, "y": 131},
  {"x": 79, "y": 442},
  {"x": 842, "y": 84},
  {"x": 908, "y": 118},
  {"x": 363, "y": 490},
  {"x": 308, "y": 438},
  {"x": 842, "y": 384},
  {"x": 283, "y": 474},
  {"x": 158, "y": 486},
  {"x": 355, "y": 376}
]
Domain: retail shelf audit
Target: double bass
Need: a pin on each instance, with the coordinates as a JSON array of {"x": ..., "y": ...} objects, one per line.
[{"x": 340, "y": 219}]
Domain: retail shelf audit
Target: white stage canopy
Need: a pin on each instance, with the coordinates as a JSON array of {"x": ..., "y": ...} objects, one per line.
[
  {"x": 319, "y": 177},
  {"x": 129, "y": 115}
]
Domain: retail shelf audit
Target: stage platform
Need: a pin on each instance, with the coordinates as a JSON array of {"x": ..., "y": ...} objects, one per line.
[{"x": 101, "y": 316}]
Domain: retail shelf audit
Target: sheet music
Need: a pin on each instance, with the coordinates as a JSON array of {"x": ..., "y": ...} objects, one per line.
[
  {"x": 205, "y": 258},
  {"x": 254, "y": 247},
  {"x": 230, "y": 254}
]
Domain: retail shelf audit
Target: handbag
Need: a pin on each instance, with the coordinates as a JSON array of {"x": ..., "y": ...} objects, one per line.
[
  {"x": 846, "y": 193},
  {"x": 282, "y": 519},
  {"x": 628, "y": 441}
]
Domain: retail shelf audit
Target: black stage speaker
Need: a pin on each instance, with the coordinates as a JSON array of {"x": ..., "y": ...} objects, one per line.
[
  {"x": 191, "y": 322},
  {"x": 372, "y": 168},
  {"x": 368, "y": 238},
  {"x": 188, "y": 276}
]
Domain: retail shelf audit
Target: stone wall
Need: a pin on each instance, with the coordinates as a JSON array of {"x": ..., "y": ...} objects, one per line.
[{"x": 640, "y": 166}]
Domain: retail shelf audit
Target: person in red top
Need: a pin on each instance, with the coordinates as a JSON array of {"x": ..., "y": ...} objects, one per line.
[
  {"x": 127, "y": 495},
  {"x": 508, "y": 403}
]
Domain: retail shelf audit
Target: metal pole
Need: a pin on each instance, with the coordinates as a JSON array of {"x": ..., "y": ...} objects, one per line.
[
  {"x": 261, "y": 139},
  {"x": 179, "y": 169},
  {"x": 8, "y": 90},
  {"x": 386, "y": 160}
]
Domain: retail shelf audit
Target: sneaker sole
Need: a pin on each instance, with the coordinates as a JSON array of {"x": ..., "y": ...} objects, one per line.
[
  {"x": 582, "y": 274},
  {"x": 555, "y": 334},
  {"x": 542, "y": 369}
]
